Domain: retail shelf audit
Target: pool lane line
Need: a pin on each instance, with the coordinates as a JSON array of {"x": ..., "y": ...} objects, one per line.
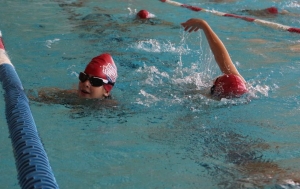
[
  {"x": 33, "y": 167},
  {"x": 248, "y": 19}
]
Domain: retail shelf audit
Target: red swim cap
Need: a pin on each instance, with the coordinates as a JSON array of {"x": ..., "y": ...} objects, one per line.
[
  {"x": 229, "y": 86},
  {"x": 143, "y": 14},
  {"x": 103, "y": 66},
  {"x": 1, "y": 42},
  {"x": 272, "y": 10}
]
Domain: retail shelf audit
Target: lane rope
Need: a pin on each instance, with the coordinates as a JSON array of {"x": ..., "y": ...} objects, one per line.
[
  {"x": 248, "y": 19},
  {"x": 33, "y": 167}
]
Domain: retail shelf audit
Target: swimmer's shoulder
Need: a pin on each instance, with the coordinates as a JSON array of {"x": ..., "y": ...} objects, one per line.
[
  {"x": 69, "y": 97},
  {"x": 51, "y": 95}
]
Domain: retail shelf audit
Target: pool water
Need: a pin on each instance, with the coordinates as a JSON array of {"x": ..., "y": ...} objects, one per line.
[{"x": 163, "y": 133}]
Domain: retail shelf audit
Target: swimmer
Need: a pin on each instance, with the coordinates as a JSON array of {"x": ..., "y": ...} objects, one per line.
[
  {"x": 146, "y": 17},
  {"x": 267, "y": 12},
  {"x": 95, "y": 82},
  {"x": 231, "y": 84}
]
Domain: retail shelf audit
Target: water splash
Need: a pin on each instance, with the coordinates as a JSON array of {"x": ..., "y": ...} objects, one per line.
[
  {"x": 133, "y": 12},
  {"x": 154, "y": 76},
  {"x": 154, "y": 45},
  {"x": 148, "y": 99}
]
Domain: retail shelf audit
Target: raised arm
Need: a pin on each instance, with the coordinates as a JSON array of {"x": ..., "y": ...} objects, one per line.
[{"x": 217, "y": 47}]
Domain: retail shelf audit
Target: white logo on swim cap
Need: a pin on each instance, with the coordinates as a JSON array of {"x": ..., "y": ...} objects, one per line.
[{"x": 110, "y": 71}]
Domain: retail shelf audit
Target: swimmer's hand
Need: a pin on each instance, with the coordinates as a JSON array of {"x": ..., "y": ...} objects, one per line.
[{"x": 194, "y": 24}]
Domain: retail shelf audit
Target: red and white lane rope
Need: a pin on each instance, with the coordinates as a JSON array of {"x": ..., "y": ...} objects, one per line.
[{"x": 249, "y": 19}]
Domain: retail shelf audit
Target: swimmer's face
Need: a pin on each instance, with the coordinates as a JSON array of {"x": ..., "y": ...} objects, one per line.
[{"x": 86, "y": 90}]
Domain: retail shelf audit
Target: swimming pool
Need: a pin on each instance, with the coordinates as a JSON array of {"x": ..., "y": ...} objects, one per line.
[{"x": 162, "y": 134}]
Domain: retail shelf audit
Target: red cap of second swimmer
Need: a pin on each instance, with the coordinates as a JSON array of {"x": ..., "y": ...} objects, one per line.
[
  {"x": 143, "y": 14},
  {"x": 272, "y": 10},
  {"x": 103, "y": 66},
  {"x": 229, "y": 86}
]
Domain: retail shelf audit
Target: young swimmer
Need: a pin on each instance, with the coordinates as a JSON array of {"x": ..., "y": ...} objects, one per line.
[
  {"x": 231, "y": 84},
  {"x": 95, "y": 82},
  {"x": 267, "y": 12}
]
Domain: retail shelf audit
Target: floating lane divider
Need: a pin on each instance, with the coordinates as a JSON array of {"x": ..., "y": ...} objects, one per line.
[
  {"x": 249, "y": 19},
  {"x": 32, "y": 163}
]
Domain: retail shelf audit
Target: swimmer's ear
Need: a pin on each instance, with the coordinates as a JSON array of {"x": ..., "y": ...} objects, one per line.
[{"x": 106, "y": 94}]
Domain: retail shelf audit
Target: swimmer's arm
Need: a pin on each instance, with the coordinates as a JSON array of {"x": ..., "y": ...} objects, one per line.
[
  {"x": 55, "y": 92},
  {"x": 217, "y": 47},
  {"x": 49, "y": 94}
]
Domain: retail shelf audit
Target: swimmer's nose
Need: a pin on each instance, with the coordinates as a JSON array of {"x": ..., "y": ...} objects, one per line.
[{"x": 87, "y": 84}]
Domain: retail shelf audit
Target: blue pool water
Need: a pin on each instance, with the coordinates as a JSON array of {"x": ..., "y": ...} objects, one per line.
[{"x": 162, "y": 133}]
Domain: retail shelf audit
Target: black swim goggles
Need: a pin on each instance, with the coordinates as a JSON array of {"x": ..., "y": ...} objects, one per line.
[{"x": 95, "y": 81}]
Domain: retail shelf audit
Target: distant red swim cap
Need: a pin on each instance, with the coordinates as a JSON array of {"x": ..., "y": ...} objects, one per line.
[
  {"x": 143, "y": 14},
  {"x": 103, "y": 66},
  {"x": 229, "y": 86},
  {"x": 272, "y": 10}
]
